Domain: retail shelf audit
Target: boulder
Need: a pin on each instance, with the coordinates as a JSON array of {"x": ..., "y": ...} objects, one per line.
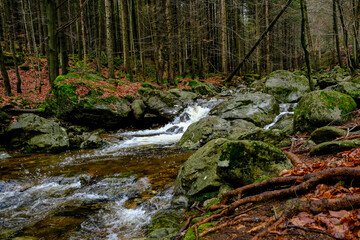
[
  {"x": 203, "y": 131},
  {"x": 32, "y": 133},
  {"x": 349, "y": 88},
  {"x": 80, "y": 102},
  {"x": 285, "y": 86},
  {"x": 221, "y": 162},
  {"x": 319, "y": 108},
  {"x": 91, "y": 140},
  {"x": 334, "y": 147},
  {"x": 138, "y": 109},
  {"x": 203, "y": 88},
  {"x": 184, "y": 96},
  {"x": 198, "y": 174},
  {"x": 164, "y": 104},
  {"x": 325, "y": 134},
  {"x": 258, "y": 108},
  {"x": 243, "y": 162}
]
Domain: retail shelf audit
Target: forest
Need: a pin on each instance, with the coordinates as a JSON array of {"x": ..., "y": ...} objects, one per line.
[{"x": 179, "y": 119}]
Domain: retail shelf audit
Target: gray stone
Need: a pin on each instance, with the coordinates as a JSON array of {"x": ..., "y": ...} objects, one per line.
[
  {"x": 138, "y": 109},
  {"x": 32, "y": 133},
  {"x": 4, "y": 156},
  {"x": 349, "y": 88},
  {"x": 180, "y": 202},
  {"x": 286, "y": 87},
  {"x": 257, "y": 108}
]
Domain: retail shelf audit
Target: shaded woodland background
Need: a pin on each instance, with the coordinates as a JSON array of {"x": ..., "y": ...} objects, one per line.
[{"x": 162, "y": 40}]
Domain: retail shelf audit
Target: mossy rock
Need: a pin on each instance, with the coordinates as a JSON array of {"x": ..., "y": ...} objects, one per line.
[
  {"x": 349, "y": 88},
  {"x": 334, "y": 147},
  {"x": 285, "y": 86},
  {"x": 149, "y": 85},
  {"x": 166, "y": 218},
  {"x": 203, "y": 88},
  {"x": 243, "y": 162},
  {"x": 319, "y": 108},
  {"x": 325, "y": 134},
  {"x": 190, "y": 235}
]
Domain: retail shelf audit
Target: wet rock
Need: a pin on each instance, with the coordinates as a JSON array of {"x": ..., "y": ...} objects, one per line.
[
  {"x": 180, "y": 202},
  {"x": 166, "y": 218},
  {"x": 92, "y": 140},
  {"x": 203, "y": 131},
  {"x": 319, "y": 108},
  {"x": 164, "y": 104},
  {"x": 257, "y": 108},
  {"x": 184, "y": 96},
  {"x": 138, "y": 109},
  {"x": 285, "y": 86},
  {"x": 243, "y": 162},
  {"x": 210, "y": 202},
  {"x": 334, "y": 147},
  {"x": 36, "y": 134},
  {"x": 325, "y": 134}
]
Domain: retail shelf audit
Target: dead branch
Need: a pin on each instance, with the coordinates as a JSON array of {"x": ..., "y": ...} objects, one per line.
[{"x": 293, "y": 158}]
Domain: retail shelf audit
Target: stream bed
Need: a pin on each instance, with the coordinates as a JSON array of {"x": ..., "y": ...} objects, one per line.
[{"x": 108, "y": 193}]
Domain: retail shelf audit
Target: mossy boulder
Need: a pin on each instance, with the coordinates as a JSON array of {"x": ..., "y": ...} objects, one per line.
[
  {"x": 220, "y": 161},
  {"x": 258, "y": 108},
  {"x": 325, "y": 134},
  {"x": 319, "y": 108},
  {"x": 349, "y": 88},
  {"x": 334, "y": 147},
  {"x": 203, "y": 88},
  {"x": 285, "y": 86},
  {"x": 138, "y": 109},
  {"x": 243, "y": 162},
  {"x": 203, "y": 131},
  {"x": 32, "y": 133},
  {"x": 82, "y": 102}
]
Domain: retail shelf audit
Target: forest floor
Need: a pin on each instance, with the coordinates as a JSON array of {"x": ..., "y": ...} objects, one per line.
[{"x": 33, "y": 98}]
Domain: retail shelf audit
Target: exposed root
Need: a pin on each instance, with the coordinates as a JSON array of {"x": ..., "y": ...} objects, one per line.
[{"x": 310, "y": 230}]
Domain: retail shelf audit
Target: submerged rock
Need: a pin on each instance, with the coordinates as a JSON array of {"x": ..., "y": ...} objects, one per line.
[
  {"x": 222, "y": 162},
  {"x": 257, "y": 108},
  {"x": 285, "y": 86},
  {"x": 32, "y": 133},
  {"x": 319, "y": 108}
]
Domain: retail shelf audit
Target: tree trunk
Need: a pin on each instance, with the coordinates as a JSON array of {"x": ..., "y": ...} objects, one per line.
[
  {"x": 268, "y": 64},
  {"x": 309, "y": 37},
  {"x": 62, "y": 42},
  {"x": 82, "y": 23},
  {"x": 170, "y": 37},
  {"x": 99, "y": 38},
  {"x": 336, "y": 34},
  {"x": 5, "y": 75},
  {"x": 223, "y": 22},
  {"x": 257, "y": 24},
  {"x": 140, "y": 33},
  {"x": 125, "y": 34},
  {"x": 304, "y": 44},
  {"x": 109, "y": 38},
  {"x": 53, "y": 63}
]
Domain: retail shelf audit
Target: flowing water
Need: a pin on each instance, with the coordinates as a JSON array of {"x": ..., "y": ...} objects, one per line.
[{"x": 110, "y": 193}]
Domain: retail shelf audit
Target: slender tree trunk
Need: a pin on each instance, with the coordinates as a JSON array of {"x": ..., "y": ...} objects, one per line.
[
  {"x": 40, "y": 29},
  {"x": 346, "y": 35},
  {"x": 62, "y": 42},
  {"x": 140, "y": 33},
  {"x": 309, "y": 37},
  {"x": 52, "y": 41},
  {"x": 223, "y": 22},
  {"x": 82, "y": 23},
  {"x": 170, "y": 37},
  {"x": 336, "y": 34},
  {"x": 109, "y": 38},
  {"x": 5, "y": 75},
  {"x": 99, "y": 38},
  {"x": 304, "y": 44},
  {"x": 268, "y": 64},
  {"x": 125, "y": 34},
  {"x": 257, "y": 24}
]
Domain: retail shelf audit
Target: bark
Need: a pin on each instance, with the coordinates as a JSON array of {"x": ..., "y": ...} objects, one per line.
[
  {"x": 82, "y": 24},
  {"x": 170, "y": 37},
  {"x": 336, "y": 34},
  {"x": 304, "y": 44},
  {"x": 268, "y": 65},
  {"x": 99, "y": 37},
  {"x": 62, "y": 42},
  {"x": 125, "y": 34},
  {"x": 140, "y": 33},
  {"x": 109, "y": 38},
  {"x": 223, "y": 35},
  {"x": 52, "y": 50}
]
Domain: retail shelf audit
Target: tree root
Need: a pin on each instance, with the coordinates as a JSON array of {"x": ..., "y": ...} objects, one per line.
[
  {"x": 293, "y": 186},
  {"x": 310, "y": 230}
]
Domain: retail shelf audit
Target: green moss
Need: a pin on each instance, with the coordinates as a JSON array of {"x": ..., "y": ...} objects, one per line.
[
  {"x": 190, "y": 235},
  {"x": 59, "y": 79},
  {"x": 111, "y": 99}
]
